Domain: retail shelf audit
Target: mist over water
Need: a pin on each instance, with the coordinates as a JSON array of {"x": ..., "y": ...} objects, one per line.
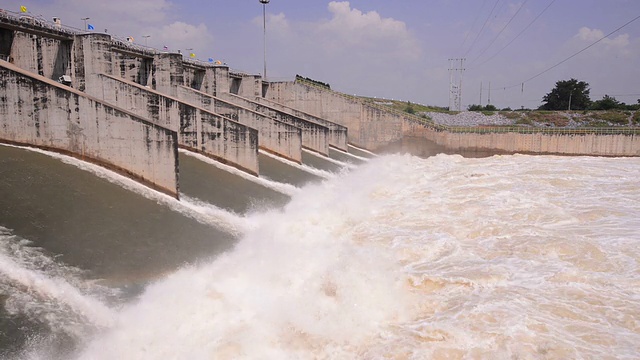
[{"x": 503, "y": 257}]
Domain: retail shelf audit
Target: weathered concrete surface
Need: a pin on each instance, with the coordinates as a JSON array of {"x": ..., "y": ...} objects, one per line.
[
  {"x": 92, "y": 55},
  {"x": 275, "y": 136},
  {"x": 198, "y": 130},
  {"x": 566, "y": 144},
  {"x": 47, "y": 57},
  {"x": 337, "y": 133},
  {"x": 168, "y": 73},
  {"x": 315, "y": 136},
  {"x": 245, "y": 85},
  {"x": 37, "y": 111},
  {"x": 133, "y": 67}
]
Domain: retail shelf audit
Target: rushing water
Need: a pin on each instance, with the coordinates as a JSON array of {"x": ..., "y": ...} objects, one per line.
[{"x": 505, "y": 257}]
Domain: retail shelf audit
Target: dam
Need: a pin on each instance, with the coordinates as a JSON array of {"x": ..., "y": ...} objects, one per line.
[
  {"x": 276, "y": 250},
  {"x": 130, "y": 108}
]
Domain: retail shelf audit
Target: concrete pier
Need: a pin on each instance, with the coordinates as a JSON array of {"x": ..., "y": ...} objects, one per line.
[
  {"x": 198, "y": 129},
  {"x": 275, "y": 136},
  {"x": 314, "y": 136},
  {"x": 39, "y": 112},
  {"x": 337, "y": 132}
]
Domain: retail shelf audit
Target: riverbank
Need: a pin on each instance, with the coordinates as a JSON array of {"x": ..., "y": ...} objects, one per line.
[{"x": 557, "y": 119}]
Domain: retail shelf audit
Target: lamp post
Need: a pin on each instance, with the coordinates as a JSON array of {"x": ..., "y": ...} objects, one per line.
[
  {"x": 145, "y": 39},
  {"x": 264, "y": 32},
  {"x": 85, "y": 23}
]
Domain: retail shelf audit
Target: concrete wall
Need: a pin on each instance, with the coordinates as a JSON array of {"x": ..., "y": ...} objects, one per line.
[
  {"x": 132, "y": 67},
  {"x": 274, "y": 136},
  {"x": 40, "y": 112},
  {"x": 167, "y": 73},
  {"x": 47, "y": 57},
  {"x": 245, "y": 85},
  {"x": 566, "y": 144},
  {"x": 314, "y": 136},
  {"x": 369, "y": 127},
  {"x": 198, "y": 129},
  {"x": 373, "y": 129},
  {"x": 92, "y": 55},
  {"x": 337, "y": 133}
]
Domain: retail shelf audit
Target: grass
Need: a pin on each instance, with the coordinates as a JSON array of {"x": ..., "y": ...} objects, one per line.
[
  {"x": 636, "y": 118},
  {"x": 402, "y": 105},
  {"x": 510, "y": 115},
  {"x": 613, "y": 117},
  {"x": 548, "y": 117},
  {"x": 524, "y": 121}
]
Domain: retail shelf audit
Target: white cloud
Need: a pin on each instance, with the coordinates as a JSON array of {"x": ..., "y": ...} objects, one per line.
[
  {"x": 591, "y": 35},
  {"x": 350, "y": 29}
]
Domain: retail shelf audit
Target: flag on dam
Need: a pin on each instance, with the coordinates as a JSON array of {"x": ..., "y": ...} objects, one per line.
[
  {"x": 192, "y": 55},
  {"x": 90, "y": 27},
  {"x": 23, "y": 9}
]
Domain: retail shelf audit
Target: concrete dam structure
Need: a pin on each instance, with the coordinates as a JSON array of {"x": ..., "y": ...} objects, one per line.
[{"x": 130, "y": 108}]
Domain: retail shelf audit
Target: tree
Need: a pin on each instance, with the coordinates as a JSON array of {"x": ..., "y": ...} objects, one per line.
[
  {"x": 568, "y": 94},
  {"x": 607, "y": 103},
  {"x": 410, "y": 108},
  {"x": 475, "y": 107}
]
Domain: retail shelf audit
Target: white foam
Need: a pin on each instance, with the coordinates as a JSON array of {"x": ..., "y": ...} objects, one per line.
[
  {"x": 351, "y": 155},
  {"x": 38, "y": 287},
  {"x": 363, "y": 150},
  {"x": 509, "y": 256},
  {"x": 311, "y": 170},
  {"x": 344, "y": 165}
]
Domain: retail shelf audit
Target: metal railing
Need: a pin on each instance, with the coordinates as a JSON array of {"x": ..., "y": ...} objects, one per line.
[{"x": 483, "y": 129}]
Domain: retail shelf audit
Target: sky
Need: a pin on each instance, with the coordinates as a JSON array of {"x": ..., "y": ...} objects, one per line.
[{"x": 394, "y": 49}]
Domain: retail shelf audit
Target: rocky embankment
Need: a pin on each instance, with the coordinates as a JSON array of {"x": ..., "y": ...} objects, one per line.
[{"x": 537, "y": 118}]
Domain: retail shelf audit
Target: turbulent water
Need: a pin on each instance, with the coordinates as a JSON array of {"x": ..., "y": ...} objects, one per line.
[{"x": 532, "y": 257}]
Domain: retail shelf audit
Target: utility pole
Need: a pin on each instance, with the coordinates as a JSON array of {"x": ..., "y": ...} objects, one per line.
[
  {"x": 570, "y": 94},
  {"x": 489, "y": 98},
  {"x": 480, "y": 103},
  {"x": 264, "y": 33},
  {"x": 85, "y": 23},
  {"x": 455, "y": 83}
]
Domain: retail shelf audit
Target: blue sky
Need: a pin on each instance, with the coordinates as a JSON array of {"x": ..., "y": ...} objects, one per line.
[{"x": 392, "y": 49}]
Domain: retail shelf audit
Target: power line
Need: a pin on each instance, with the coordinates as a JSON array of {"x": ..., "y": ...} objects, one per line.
[
  {"x": 482, "y": 28},
  {"x": 521, "y": 32},
  {"x": 473, "y": 24},
  {"x": 499, "y": 33},
  {"x": 570, "y": 57}
]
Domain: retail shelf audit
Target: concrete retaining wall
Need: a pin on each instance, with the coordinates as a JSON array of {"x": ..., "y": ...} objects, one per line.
[
  {"x": 40, "y": 112},
  {"x": 567, "y": 144},
  {"x": 198, "y": 129},
  {"x": 274, "y": 136},
  {"x": 337, "y": 132}
]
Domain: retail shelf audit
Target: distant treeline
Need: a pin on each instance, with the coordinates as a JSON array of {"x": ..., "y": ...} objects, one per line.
[{"x": 319, "y": 83}]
